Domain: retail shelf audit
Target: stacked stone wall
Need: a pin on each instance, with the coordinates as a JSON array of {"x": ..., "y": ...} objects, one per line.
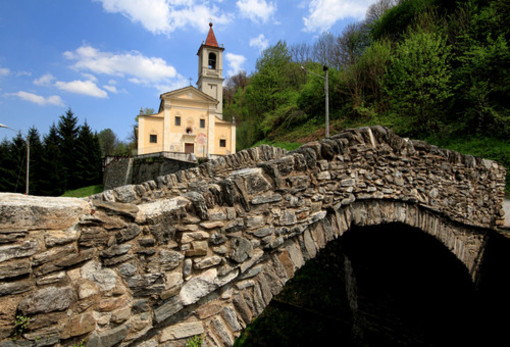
[
  {"x": 118, "y": 172},
  {"x": 124, "y": 171},
  {"x": 203, "y": 251}
]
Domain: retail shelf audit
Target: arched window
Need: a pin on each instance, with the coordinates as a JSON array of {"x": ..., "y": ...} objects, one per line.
[{"x": 212, "y": 61}]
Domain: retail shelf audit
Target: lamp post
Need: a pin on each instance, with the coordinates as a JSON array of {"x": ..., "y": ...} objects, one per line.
[
  {"x": 326, "y": 90},
  {"x": 28, "y": 158}
]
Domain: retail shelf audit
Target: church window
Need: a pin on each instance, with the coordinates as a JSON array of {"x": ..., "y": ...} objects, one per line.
[
  {"x": 223, "y": 143},
  {"x": 189, "y": 131},
  {"x": 177, "y": 121},
  {"x": 202, "y": 123},
  {"x": 212, "y": 61},
  {"x": 153, "y": 139}
]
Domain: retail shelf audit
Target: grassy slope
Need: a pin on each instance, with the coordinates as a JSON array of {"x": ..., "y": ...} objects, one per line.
[
  {"x": 490, "y": 148},
  {"x": 84, "y": 191}
]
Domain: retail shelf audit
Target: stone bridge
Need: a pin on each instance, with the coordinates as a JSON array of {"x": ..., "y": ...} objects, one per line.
[{"x": 203, "y": 251}]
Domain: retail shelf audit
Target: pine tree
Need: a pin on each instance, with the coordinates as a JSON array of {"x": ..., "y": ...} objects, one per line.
[
  {"x": 88, "y": 157},
  {"x": 51, "y": 176},
  {"x": 36, "y": 157},
  {"x": 68, "y": 134},
  {"x": 7, "y": 174},
  {"x": 16, "y": 165}
]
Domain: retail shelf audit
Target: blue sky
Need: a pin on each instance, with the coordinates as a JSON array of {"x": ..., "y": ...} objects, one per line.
[{"x": 105, "y": 59}]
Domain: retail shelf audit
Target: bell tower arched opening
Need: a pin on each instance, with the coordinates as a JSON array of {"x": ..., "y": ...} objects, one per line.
[{"x": 212, "y": 61}]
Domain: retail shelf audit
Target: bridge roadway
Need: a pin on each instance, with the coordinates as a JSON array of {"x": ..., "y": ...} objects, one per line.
[{"x": 203, "y": 251}]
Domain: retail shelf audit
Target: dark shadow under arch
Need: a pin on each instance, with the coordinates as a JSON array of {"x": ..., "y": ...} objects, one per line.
[
  {"x": 408, "y": 288},
  {"x": 411, "y": 290}
]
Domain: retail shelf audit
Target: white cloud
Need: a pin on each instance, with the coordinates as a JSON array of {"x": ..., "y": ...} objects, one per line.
[
  {"x": 165, "y": 16},
  {"x": 24, "y": 73},
  {"x": 111, "y": 89},
  {"x": 259, "y": 42},
  {"x": 4, "y": 71},
  {"x": 90, "y": 77},
  {"x": 44, "y": 80},
  {"x": 141, "y": 69},
  {"x": 256, "y": 10},
  {"x": 235, "y": 62},
  {"x": 181, "y": 82},
  {"x": 40, "y": 100},
  {"x": 324, "y": 13},
  {"x": 82, "y": 87}
]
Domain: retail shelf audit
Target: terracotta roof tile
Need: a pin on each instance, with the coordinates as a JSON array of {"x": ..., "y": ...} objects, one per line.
[{"x": 211, "y": 39}]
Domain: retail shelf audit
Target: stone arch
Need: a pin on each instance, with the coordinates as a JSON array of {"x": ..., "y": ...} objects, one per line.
[
  {"x": 211, "y": 60},
  {"x": 411, "y": 250},
  {"x": 227, "y": 311},
  {"x": 204, "y": 250}
]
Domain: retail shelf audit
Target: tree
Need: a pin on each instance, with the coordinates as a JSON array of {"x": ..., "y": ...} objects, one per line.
[
  {"x": 275, "y": 73},
  {"x": 351, "y": 44},
  {"x": 482, "y": 68},
  {"x": 395, "y": 20},
  {"x": 325, "y": 51},
  {"x": 131, "y": 147},
  {"x": 148, "y": 111},
  {"x": 418, "y": 81},
  {"x": 240, "y": 80},
  {"x": 12, "y": 168},
  {"x": 363, "y": 78},
  {"x": 377, "y": 9},
  {"x": 52, "y": 177},
  {"x": 301, "y": 53},
  {"x": 19, "y": 159},
  {"x": 108, "y": 142},
  {"x": 67, "y": 134},
  {"x": 268, "y": 89},
  {"x": 5, "y": 168},
  {"x": 88, "y": 160},
  {"x": 36, "y": 161}
]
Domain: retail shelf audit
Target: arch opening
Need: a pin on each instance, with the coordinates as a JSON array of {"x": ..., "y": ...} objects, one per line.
[
  {"x": 212, "y": 61},
  {"x": 389, "y": 284}
]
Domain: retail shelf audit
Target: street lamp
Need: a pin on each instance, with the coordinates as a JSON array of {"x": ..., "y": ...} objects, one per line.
[
  {"x": 28, "y": 157},
  {"x": 326, "y": 90}
]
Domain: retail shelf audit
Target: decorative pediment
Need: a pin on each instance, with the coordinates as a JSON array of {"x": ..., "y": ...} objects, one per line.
[{"x": 189, "y": 93}]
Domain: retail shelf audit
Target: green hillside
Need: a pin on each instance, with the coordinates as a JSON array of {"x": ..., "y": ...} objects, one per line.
[{"x": 434, "y": 70}]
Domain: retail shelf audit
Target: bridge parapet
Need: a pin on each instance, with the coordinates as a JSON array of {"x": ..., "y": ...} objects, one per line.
[
  {"x": 364, "y": 163},
  {"x": 202, "y": 251}
]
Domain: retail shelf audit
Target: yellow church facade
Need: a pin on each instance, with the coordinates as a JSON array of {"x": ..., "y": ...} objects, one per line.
[{"x": 189, "y": 120}]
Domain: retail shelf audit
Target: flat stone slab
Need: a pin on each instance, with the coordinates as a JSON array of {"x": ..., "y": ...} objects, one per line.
[
  {"x": 157, "y": 208},
  {"x": 28, "y": 212}
]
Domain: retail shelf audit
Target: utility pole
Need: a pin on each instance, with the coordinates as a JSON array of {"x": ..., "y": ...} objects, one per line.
[
  {"x": 326, "y": 91},
  {"x": 27, "y": 179}
]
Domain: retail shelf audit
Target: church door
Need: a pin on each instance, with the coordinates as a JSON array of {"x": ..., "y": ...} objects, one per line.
[{"x": 189, "y": 148}]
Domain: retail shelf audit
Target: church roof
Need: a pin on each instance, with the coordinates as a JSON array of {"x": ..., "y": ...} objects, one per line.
[
  {"x": 211, "y": 39},
  {"x": 200, "y": 94}
]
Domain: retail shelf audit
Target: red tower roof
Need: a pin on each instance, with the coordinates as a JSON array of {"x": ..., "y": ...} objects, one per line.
[{"x": 211, "y": 39}]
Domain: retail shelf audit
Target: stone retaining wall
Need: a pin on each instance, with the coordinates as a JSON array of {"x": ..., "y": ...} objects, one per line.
[
  {"x": 202, "y": 251},
  {"x": 123, "y": 171}
]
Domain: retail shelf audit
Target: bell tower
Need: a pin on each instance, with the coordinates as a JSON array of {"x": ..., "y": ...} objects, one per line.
[{"x": 210, "y": 69}]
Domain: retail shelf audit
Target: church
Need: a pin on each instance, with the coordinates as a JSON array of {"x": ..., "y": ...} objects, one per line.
[{"x": 190, "y": 120}]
